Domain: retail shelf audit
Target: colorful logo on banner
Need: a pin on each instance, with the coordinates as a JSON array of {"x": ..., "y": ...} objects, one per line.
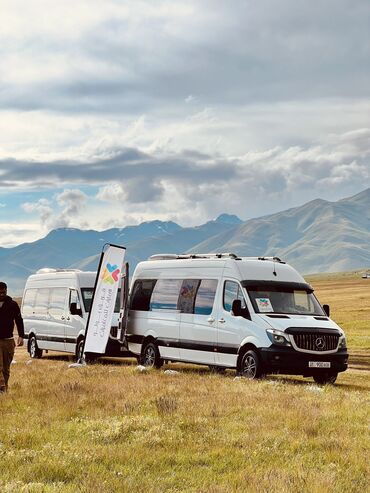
[{"x": 110, "y": 274}]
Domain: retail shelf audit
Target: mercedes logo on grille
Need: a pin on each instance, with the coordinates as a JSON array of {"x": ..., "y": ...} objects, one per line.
[{"x": 320, "y": 343}]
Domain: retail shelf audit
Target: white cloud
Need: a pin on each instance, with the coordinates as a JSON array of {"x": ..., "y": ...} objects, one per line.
[
  {"x": 182, "y": 110},
  {"x": 13, "y": 234},
  {"x": 41, "y": 207},
  {"x": 72, "y": 203}
]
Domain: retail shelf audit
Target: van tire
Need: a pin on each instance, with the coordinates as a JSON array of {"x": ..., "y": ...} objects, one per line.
[
  {"x": 33, "y": 349},
  {"x": 79, "y": 347},
  {"x": 251, "y": 366},
  {"x": 150, "y": 356},
  {"x": 325, "y": 378}
]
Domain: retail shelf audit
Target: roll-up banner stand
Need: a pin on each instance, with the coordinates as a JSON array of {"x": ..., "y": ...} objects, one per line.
[{"x": 104, "y": 297}]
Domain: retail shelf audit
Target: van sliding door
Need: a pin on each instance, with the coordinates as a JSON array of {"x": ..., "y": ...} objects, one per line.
[
  {"x": 163, "y": 319},
  {"x": 198, "y": 321},
  {"x": 58, "y": 318}
]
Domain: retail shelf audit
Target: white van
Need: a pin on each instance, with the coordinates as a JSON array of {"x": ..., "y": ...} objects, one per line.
[
  {"x": 55, "y": 308},
  {"x": 257, "y": 315}
]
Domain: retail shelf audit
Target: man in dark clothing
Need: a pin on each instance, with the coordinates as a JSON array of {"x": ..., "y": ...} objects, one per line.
[{"x": 9, "y": 313}]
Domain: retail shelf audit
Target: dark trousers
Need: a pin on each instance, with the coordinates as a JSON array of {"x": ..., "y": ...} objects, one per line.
[{"x": 6, "y": 356}]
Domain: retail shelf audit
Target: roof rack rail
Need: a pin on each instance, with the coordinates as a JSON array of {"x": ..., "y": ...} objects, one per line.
[
  {"x": 173, "y": 256},
  {"x": 272, "y": 259},
  {"x": 49, "y": 270}
]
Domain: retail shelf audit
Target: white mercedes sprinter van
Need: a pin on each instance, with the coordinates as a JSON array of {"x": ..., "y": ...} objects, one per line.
[
  {"x": 55, "y": 308},
  {"x": 257, "y": 315}
]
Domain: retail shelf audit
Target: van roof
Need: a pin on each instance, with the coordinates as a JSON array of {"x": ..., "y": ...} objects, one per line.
[
  {"x": 175, "y": 256},
  {"x": 45, "y": 276},
  {"x": 216, "y": 266}
]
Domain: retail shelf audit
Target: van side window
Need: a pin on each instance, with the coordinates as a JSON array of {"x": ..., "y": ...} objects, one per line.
[
  {"x": 205, "y": 297},
  {"x": 166, "y": 294},
  {"x": 186, "y": 299},
  {"x": 141, "y": 294},
  {"x": 57, "y": 304},
  {"x": 232, "y": 292},
  {"x": 42, "y": 301},
  {"x": 29, "y": 302}
]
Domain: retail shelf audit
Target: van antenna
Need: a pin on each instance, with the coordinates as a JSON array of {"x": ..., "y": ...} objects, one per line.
[{"x": 274, "y": 262}]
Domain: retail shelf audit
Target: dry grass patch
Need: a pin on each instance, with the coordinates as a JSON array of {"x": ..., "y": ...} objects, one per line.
[{"x": 108, "y": 428}]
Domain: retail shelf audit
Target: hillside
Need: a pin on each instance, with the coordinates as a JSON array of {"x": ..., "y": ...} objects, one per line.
[{"x": 319, "y": 236}]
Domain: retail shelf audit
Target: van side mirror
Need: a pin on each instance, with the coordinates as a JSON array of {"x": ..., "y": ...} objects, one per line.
[
  {"x": 326, "y": 309},
  {"x": 236, "y": 308},
  {"x": 238, "y": 311},
  {"x": 74, "y": 310}
]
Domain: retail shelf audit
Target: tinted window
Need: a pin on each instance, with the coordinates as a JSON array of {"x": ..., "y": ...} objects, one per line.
[
  {"x": 141, "y": 294},
  {"x": 29, "y": 302},
  {"x": 58, "y": 297},
  {"x": 232, "y": 292},
  {"x": 42, "y": 301},
  {"x": 187, "y": 295},
  {"x": 166, "y": 294},
  {"x": 205, "y": 297},
  {"x": 118, "y": 301},
  {"x": 87, "y": 296}
]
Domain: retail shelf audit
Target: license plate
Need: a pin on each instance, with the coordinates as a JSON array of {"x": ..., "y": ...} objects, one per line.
[{"x": 319, "y": 364}]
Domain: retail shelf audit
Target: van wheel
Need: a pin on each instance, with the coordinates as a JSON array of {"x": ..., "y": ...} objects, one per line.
[
  {"x": 33, "y": 348},
  {"x": 79, "y": 350},
  {"x": 150, "y": 356},
  {"x": 325, "y": 378},
  {"x": 250, "y": 366}
]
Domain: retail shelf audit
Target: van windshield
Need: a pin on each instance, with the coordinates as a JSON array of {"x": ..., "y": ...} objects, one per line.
[
  {"x": 283, "y": 297},
  {"x": 87, "y": 294}
]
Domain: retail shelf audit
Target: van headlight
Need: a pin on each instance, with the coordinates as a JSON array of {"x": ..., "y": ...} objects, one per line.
[
  {"x": 342, "y": 342},
  {"x": 278, "y": 337}
]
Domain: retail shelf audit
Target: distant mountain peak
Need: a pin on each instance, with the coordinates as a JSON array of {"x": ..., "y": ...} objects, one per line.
[
  {"x": 360, "y": 198},
  {"x": 228, "y": 219}
]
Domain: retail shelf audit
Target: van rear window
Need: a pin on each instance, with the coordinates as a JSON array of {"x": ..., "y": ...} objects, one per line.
[
  {"x": 183, "y": 295},
  {"x": 141, "y": 294},
  {"x": 29, "y": 299}
]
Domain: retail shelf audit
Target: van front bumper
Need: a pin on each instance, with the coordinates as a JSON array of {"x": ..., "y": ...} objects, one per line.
[{"x": 291, "y": 362}]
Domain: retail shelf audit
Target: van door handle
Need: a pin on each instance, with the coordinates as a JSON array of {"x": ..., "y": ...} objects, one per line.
[
  {"x": 222, "y": 321},
  {"x": 211, "y": 320}
]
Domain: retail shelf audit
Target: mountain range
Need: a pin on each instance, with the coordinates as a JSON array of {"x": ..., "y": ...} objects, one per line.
[{"x": 319, "y": 236}]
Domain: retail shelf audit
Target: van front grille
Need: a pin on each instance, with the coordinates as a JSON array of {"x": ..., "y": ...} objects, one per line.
[
  {"x": 316, "y": 342},
  {"x": 114, "y": 331}
]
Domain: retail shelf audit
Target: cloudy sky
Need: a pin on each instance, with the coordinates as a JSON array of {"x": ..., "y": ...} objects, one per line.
[{"x": 116, "y": 112}]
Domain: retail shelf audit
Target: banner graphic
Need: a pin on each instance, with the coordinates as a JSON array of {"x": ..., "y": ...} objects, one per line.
[{"x": 104, "y": 298}]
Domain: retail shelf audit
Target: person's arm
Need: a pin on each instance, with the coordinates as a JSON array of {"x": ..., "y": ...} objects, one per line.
[{"x": 19, "y": 323}]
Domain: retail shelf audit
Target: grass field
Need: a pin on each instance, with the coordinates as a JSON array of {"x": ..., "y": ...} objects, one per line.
[{"x": 110, "y": 428}]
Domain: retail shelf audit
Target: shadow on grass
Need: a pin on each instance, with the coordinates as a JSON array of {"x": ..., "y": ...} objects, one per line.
[
  {"x": 192, "y": 369},
  {"x": 127, "y": 361},
  {"x": 359, "y": 361},
  {"x": 310, "y": 381}
]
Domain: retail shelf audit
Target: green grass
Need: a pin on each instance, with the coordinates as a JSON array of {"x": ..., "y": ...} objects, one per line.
[{"x": 109, "y": 428}]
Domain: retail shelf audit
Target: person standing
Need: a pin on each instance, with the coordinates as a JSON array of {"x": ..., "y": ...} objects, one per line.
[{"x": 9, "y": 313}]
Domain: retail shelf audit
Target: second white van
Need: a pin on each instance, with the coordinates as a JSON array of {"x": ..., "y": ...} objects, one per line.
[{"x": 55, "y": 309}]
